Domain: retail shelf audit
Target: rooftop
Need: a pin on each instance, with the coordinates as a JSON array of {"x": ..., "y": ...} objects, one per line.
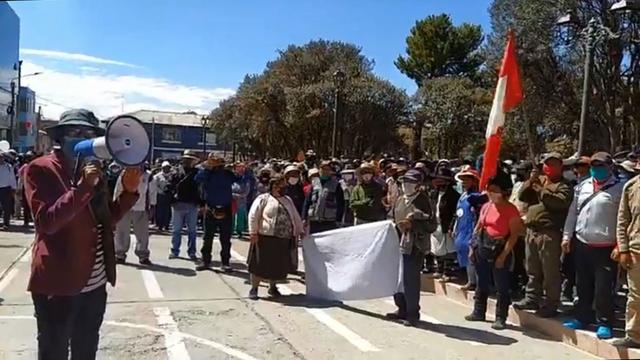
[{"x": 167, "y": 117}]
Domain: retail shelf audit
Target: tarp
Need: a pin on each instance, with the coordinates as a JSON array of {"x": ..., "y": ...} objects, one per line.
[{"x": 355, "y": 263}]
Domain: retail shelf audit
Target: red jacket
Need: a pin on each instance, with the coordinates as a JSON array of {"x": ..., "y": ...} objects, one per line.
[{"x": 66, "y": 229}]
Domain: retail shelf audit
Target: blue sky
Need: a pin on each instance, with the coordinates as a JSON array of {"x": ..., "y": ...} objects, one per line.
[{"x": 189, "y": 54}]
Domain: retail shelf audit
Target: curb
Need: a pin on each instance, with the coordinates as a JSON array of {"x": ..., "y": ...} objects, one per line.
[
  {"x": 583, "y": 340},
  {"x": 13, "y": 263}
]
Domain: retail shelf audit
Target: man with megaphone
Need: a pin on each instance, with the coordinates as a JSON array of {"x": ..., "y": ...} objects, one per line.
[{"x": 73, "y": 256}]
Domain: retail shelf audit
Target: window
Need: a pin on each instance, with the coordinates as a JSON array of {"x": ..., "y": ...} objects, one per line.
[
  {"x": 171, "y": 135},
  {"x": 23, "y": 105}
]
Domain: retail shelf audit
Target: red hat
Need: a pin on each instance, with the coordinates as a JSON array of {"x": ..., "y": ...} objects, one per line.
[{"x": 467, "y": 170}]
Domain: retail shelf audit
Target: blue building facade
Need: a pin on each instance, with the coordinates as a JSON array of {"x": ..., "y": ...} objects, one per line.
[
  {"x": 9, "y": 55},
  {"x": 26, "y": 121}
]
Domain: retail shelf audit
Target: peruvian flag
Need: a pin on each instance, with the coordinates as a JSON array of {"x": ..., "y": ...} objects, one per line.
[{"x": 508, "y": 96}]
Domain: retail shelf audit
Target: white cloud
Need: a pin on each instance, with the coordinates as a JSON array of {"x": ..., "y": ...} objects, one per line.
[
  {"x": 106, "y": 93},
  {"x": 73, "y": 57}
]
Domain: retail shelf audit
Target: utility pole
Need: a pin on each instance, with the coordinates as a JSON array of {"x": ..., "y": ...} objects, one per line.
[{"x": 13, "y": 112}]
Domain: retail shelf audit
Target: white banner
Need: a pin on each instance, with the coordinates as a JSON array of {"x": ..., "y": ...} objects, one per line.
[{"x": 355, "y": 263}]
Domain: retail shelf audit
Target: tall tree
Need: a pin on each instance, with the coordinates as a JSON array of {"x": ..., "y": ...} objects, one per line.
[{"x": 436, "y": 48}]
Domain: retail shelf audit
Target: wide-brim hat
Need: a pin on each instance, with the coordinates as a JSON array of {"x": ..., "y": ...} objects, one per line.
[
  {"x": 366, "y": 167},
  {"x": 630, "y": 166},
  {"x": 77, "y": 117},
  {"x": 190, "y": 154},
  {"x": 412, "y": 175},
  {"x": 467, "y": 171},
  {"x": 291, "y": 168}
]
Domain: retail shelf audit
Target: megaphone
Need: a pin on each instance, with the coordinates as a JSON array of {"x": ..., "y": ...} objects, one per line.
[{"x": 125, "y": 141}]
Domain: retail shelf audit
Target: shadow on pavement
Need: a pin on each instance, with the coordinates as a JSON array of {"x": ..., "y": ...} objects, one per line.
[{"x": 165, "y": 269}]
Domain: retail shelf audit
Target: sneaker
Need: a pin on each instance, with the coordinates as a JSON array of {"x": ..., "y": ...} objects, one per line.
[
  {"x": 499, "y": 324},
  {"x": 604, "y": 332},
  {"x": 566, "y": 299},
  {"x": 120, "y": 261},
  {"x": 475, "y": 317},
  {"x": 203, "y": 267},
  {"x": 274, "y": 292},
  {"x": 547, "y": 313},
  {"x": 410, "y": 322},
  {"x": 226, "y": 268},
  {"x": 173, "y": 256},
  {"x": 526, "y": 305},
  {"x": 574, "y": 324},
  {"x": 626, "y": 343},
  {"x": 193, "y": 257},
  {"x": 395, "y": 316},
  {"x": 146, "y": 262},
  {"x": 253, "y": 294}
]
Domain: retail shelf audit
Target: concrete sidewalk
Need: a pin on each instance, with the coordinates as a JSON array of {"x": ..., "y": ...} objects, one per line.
[{"x": 13, "y": 245}]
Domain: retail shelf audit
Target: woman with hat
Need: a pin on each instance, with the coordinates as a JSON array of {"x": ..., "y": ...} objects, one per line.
[
  {"x": 445, "y": 198},
  {"x": 367, "y": 198},
  {"x": 294, "y": 189},
  {"x": 466, "y": 216},
  {"x": 274, "y": 225},
  {"x": 495, "y": 236}
]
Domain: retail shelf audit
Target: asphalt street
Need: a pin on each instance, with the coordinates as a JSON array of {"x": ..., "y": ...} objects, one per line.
[{"x": 168, "y": 311}]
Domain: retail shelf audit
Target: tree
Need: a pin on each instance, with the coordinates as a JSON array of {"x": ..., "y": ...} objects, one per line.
[
  {"x": 437, "y": 48},
  {"x": 289, "y": 106}
]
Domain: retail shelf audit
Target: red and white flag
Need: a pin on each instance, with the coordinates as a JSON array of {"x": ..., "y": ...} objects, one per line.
[{"x": 508, "y": 96}]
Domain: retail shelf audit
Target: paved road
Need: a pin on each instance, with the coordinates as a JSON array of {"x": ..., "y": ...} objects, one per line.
[{"x": 171, "y": 312}]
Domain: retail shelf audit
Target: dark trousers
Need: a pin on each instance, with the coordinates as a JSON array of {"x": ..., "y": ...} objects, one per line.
[
  {"x": 596, "y": 275},
  {"x": 26, "y": 210},
  {"x": 318, "y": 227},
  {"x": 487, "y": 271},
  {"x": 69, "y": 320},
  {"x": 408, "y": 301},
  {"x": 163, "y": 212},
  {"x": 6, "y": 202},
  {"x": 223, "y": 228},
  {"x": 568, "y": 270}
]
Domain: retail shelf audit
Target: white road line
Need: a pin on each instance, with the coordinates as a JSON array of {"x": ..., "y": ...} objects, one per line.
[
  {"x": 337, "y": 327},
  {"x": 150, "y": 282},
  {"x": 176, "y": 350},
  {"x": 26, "y": 257},
  {"x": 7, "y": 279}
]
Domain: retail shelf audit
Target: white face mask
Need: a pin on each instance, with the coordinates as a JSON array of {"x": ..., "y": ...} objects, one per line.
[
  {"x": 367, "y": 177},
  {"x": 294, "y": 180},
  {"x": 409, "y": 188}
]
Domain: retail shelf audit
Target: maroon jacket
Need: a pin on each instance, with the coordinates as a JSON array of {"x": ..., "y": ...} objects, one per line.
[{"x": 66, "y": 228}]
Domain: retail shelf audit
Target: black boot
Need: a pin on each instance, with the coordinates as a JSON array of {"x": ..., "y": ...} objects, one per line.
[
  {"x": 502, "y": 312},
  {"x": 479, "y": 308}
]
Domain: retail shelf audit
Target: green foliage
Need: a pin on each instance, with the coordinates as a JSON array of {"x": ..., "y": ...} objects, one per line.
[{"x": 290, "y": 106}]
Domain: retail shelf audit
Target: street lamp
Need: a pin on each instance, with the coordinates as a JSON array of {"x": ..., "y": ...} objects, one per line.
[
  {"x": 204, "y": 120},
  {"x": 339, "y": 78},
  {"x": 592, "y": 35}
]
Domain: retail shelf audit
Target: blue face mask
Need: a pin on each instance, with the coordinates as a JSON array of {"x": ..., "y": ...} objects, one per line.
[
  {"x": 599, "y": 173},
  {"x": 68, "y": 144}
]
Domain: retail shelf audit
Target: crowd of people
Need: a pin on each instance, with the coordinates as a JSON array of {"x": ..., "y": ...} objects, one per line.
[{"x": 553, "y": 231}]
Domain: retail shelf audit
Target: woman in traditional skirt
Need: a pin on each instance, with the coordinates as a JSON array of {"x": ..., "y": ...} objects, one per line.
[{"x": 274, "y": 226}]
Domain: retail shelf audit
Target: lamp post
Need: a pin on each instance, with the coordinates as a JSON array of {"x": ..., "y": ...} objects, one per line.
[
  {"x": 592, "y": 35},
  {"x": 16, "y": 94},
  {"x": 204, "y": 120},
  {"x": 339, "y": 78}
]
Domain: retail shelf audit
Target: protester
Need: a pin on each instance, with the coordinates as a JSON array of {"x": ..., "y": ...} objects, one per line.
[
  {"x": 113, "y": 173},
  {"x": 582, "y": 168},
  {"x": 8, "y": 185},
  {"x": 240, "y": 190},
  {"x": 294, "y": 189},
  {"x": 548, "y": 199},
  {"x": 73, "y": 256},
  {"x": 184, "y": 205},
  {"x": 589, "y": 234},
  {"x": 628, "y": 256},
  {"x": 274, "y": 228},
  {"x": 324, "y": 205},
  {"x": 348, "y": 181},
  {"x": 467, "y": 214},
  {"x": 415, "y": 221},
  {"x": 497, "y": 232},
  {"x": 312, "y": 177},
  {"x": 627, "y": 171},
  {"x": 445, "y": 198},
  {"x": 367, "y": 198},
  {"x": 262, "y": 185},
  {"x": 138, "y": 217},
  {"x": 392, "y": 185},
  {"x": 216, "y": 184},
  {"x": 163, "y": 205}
]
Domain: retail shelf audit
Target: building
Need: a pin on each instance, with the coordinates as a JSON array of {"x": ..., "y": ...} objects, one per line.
[
  {"x": 26, "y": 120},
  {"x": 43, "y": 141},
  {"x": 9, "y": 55},
  {"x": 171, "y": 133}
]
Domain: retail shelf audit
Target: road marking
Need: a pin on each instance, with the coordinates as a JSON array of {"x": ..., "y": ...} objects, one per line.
[
  {"x": 7, "y": 279},
  {"x": 320, "y": 315},
  {"x": 27, "y": 256},
  {"x": 176, "y": 350},
  {"x": 151, "y": 283},
  {"x": 225, "y": 349}
]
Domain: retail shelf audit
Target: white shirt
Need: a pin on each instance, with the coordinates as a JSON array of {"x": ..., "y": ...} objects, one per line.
[
  {"x": 7, "y": 176},
  {"x": 145, "y": 185},
  {"x": 162, "y": 180}
]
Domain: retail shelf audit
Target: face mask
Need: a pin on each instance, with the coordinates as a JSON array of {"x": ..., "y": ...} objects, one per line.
[
  {"x": 325, "y": 177},
  {"x": 600, "y": 173},
  {"x": 551, "y": 172},
  {"x": 367, "y": 177},
  {"x": 69, "y": 144},
  {"x": 569, "y": 175},
  {"x": 409, "y": 188},
  {"x": 293, "y": 180}
]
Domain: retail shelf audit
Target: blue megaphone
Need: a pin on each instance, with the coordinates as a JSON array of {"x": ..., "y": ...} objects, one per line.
[{"x": 125, "y": 141}]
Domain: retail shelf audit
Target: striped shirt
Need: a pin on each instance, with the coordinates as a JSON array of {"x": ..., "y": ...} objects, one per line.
[{"x": 98, "y": 274}]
